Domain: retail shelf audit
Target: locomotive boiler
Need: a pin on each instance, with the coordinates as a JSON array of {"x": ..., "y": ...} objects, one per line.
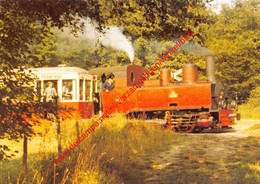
[{"x": 186, "y": 104}]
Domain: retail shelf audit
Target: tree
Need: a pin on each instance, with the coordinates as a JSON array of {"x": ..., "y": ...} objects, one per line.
[
  {"x": 157, "y": 20},
  {"x": 24, "y": 23},
  {"x": 138, "y": 20},
  {"x": 235, "y": 40}
]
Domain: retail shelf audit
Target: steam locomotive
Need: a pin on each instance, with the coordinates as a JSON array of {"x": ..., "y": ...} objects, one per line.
[{"x": 186, "y": 104}]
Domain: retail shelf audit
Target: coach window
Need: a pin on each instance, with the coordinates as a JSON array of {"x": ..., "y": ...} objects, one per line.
[
  {"x": 87, "y": 88},
  {"x": 68, "y": 91},
  {"x": 81, "y": 91},
  {"x": 54, "y": 84}
]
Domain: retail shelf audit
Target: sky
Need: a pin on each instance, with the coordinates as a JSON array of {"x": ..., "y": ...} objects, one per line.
[{"x": 219, "y": 3}]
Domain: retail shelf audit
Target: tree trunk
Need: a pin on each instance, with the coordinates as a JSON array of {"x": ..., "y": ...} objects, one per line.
[
  {"x": 25, "y": 153},
  {"x": 58, "y": 136},
  {"x": 77, "y": 129}
]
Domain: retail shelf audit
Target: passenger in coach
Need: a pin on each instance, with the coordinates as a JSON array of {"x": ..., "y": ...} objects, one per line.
[
  {"x": 102, "y": 82},
  {"x": 66, "y": 93},
  {"x": 50, "y": 97},
  {"x": 50, "y": 93},
  {"x": 108, "y": 85}
]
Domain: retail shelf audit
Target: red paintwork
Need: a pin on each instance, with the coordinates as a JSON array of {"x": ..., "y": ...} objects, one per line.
[
  {"x": 204, "y": 123},
  {"x": 85, "y": 109},
  {"x": 156, "y": 98},
  {"x": 225, "y": 120}
]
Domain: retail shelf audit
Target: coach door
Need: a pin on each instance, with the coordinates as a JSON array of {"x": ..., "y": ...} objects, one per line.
[{"x": 95, "y": 98}]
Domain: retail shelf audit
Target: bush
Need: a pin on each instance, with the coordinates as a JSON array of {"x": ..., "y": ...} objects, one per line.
[{"x": 251, "y": 109}]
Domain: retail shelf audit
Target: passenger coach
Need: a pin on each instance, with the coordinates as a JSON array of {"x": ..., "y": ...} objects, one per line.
[{"x": 76, "y": 88}]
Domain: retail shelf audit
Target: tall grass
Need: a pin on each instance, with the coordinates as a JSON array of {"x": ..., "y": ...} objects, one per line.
[
  {"x": 243, "y": 162},
  {"x": 112, "y": 154},
  {"x": 251, "y": 109}
]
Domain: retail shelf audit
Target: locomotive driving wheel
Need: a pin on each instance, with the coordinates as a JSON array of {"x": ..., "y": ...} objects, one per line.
[
  {"x": 185, "y": 127},
  {"x": 197, "y": 130},
  {"x": 181, "y": 123}
]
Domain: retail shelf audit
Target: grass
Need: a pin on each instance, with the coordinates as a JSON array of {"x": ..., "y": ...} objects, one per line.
[
  {"x": 244, "y": 161},
  {"x": 254, "y": 127},
  {"x": 249, "y": 111},
  {"x": 127, "y": 152},
  {"x": 210, "y": 159},
  {"x": 254, "y": 130},
  {"x": 113, "y": 154}
]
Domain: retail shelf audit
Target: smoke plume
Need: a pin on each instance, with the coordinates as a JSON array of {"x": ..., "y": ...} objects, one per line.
[
  {"x": 113, "y": 37},
  {"x": 196, "y": 49}
]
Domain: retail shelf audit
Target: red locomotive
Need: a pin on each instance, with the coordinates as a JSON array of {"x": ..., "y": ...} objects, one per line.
[{"x": 188, "y": 105}]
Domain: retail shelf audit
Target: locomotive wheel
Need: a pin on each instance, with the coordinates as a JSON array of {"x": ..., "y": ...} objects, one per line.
[
  {"x": 167, "y": 126},
  {"x": 187, "y": 129},
  {"x": 197, "y": 130}
]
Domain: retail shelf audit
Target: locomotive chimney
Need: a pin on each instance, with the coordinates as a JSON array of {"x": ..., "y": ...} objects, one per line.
[{"x": 210, "y": 70}]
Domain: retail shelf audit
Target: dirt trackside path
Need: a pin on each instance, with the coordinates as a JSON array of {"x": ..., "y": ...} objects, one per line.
[{"x": 229, "y": 157}]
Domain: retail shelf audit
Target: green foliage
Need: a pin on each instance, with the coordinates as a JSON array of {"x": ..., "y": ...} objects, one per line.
[
  {"x": 24, "y": 23},
  {"x": 16, "y": 108},
  {"x": 235, "y": 40},
  {"x": 45, "y": 52},
  {"x": 243, "y": 161},
  {"x": 251, "y": 109},
  {"x": 84, "y": 53},
  {"x": 152, "y": 24},
  {"x": 28, "y": 22},
  {"x": 111, "y": 154},
  {"x": 254, "y": 98},
  {"x": 157, "y": 19}
]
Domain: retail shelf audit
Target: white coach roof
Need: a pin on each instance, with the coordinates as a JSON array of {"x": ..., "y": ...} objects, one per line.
[{"x": 59, "y": 70}]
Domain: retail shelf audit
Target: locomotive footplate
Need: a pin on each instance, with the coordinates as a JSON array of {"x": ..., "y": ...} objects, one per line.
[{"x": 188, "y": 122}]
